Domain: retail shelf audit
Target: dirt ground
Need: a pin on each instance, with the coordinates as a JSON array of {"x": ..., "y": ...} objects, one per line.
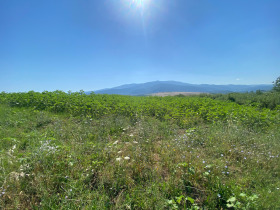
[{"x": 175, "y": 93}]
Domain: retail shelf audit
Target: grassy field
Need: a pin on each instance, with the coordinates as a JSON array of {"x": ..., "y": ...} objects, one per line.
[{"x": 71, "y": 151}]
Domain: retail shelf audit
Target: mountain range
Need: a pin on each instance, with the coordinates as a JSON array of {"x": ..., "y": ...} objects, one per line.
[{"x": 174, "y": 86}]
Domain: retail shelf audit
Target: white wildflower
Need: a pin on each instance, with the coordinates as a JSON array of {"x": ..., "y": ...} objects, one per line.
[
  {"x": 126, "y": 158},
  {"x": 118, "y": 159},
  {"x": 48, "y": 147}
]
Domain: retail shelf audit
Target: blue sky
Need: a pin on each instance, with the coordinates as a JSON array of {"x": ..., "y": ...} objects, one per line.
[{"x": 94, "y": 44}]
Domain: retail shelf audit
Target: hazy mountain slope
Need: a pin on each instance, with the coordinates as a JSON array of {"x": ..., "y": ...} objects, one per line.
[{"x": 173, "y": 86}]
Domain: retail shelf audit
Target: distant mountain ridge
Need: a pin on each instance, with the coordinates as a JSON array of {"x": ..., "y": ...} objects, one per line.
[{"x": 174, "y": 86}]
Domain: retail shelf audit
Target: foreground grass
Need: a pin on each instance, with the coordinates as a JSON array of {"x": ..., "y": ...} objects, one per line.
[{"x": 116, "y": 162}]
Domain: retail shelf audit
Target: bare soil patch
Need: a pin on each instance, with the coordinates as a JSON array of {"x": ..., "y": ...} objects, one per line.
[{"x": 175, "y": 93}]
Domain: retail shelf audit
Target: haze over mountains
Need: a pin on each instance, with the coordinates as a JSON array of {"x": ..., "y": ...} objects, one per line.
[{"x": 174, "y": 86}]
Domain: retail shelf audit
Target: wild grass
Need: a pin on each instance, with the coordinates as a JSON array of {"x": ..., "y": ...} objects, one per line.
[{"x": 60, "y": 161}]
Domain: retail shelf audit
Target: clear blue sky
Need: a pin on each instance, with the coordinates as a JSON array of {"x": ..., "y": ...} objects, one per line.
[{"x": 95, "y": 44}]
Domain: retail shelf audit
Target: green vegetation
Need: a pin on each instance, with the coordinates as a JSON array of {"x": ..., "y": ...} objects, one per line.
[
  {"x": 276, "y": 86},
  {"x": 258, "y": 99},
  {"x": 72, "y": 150}
]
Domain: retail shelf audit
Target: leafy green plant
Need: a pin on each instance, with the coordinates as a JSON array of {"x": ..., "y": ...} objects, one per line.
[{"x": 244, "y": 202}]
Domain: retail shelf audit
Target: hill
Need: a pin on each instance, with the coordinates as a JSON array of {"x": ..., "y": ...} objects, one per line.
[{"x": 174, "y": 86}]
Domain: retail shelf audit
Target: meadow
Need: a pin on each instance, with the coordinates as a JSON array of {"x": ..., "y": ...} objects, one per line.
[{"x": 76, "y": 151}]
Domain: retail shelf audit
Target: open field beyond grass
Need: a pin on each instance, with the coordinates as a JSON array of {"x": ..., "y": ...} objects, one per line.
[
  {"x": 71, "y": 151},
  {"x": 176, "y": 93}
]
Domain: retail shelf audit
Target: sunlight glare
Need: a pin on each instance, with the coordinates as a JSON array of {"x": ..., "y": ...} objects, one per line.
[{"x": 138, "y": 3}]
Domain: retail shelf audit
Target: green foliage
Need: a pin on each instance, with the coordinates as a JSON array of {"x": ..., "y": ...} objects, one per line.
[
  {"x": 276, "y": 86},
  {"x": 181, "y": 202},
  {"x": 76, "y": 151},
  {"x": 269, "y": 100},
  {"x": 243, "y": 202},
  {"x": 185, "y": 112}
]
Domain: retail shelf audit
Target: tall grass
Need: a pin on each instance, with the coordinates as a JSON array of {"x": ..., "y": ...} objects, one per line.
[{"x": 116, "y": 161}]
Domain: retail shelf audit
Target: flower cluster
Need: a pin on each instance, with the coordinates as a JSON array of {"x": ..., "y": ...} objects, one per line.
[{"x": 48, "y": 147}]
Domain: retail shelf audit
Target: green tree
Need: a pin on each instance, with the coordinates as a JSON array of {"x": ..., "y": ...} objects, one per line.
[{"x": 276, "y": 86}]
